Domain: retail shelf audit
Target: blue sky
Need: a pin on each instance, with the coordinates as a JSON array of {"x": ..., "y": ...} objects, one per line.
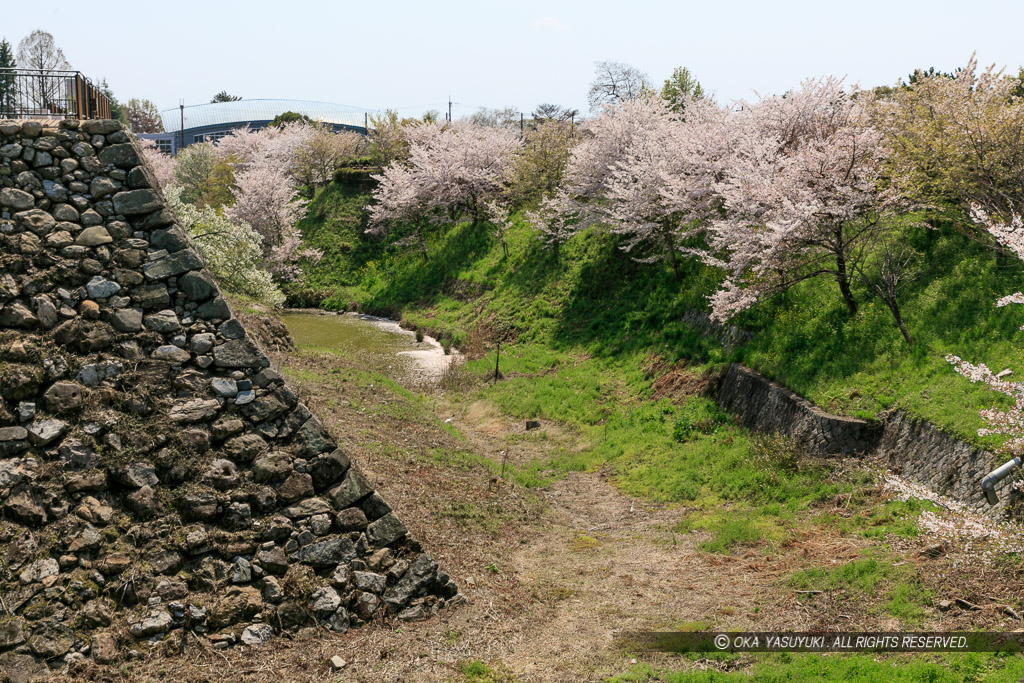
[{"x": 412, "y": 55}]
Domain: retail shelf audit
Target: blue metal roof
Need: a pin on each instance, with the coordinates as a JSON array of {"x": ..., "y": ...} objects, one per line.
[{"x": 226, "y": 113}]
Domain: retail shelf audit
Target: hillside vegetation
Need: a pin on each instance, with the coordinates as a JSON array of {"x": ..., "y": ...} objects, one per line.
[{"x": 595, "y": 300}]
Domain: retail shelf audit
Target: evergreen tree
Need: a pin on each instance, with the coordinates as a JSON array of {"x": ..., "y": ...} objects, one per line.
[
  {"x": 116, "y": 110},
  {"x": 223, "y": 96},
  {"x": 8, "y": 85},
  {"x": 682, "y": 86}
]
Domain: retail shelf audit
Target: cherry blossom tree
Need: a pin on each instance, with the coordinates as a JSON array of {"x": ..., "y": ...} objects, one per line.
[
  {"x": 453, "y": 170},
  {"x": 231, "y": 250},
  {"x": 1009, "y": 422},
  {"x": 275, "y": 145},
  {"x": 801, "y": 194},
  {"x": 401, "y": 199},
  {"x": 161, "y": 164},
  {"x": 662, "y": 186},
  {"x": 322, "y": 152},
  {"x": 554, "y": 221},
  {"x": 266, "y": 198},
  {"x": 642, "y": 172},
  {"x": 266, "y": 192}
]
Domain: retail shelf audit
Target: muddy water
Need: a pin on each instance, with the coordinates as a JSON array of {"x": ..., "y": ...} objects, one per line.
[{"x": 379, "y": 343}]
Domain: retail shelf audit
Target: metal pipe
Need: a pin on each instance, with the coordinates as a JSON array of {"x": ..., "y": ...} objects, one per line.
[{"x": 988, "y": 484}]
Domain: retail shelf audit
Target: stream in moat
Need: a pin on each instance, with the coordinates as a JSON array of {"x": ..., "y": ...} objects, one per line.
[{"x": 380, "y": 343}]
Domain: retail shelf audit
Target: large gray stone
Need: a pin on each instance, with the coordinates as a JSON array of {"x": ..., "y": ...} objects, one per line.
[
  {"x": 163, "y": 321},
  {"x": 92, "y": 374},
  {"x": 171, "y": 353},
  {"x": 36, "y": 220},
  {"x": 17, "y": 315},
  {"x": 353, "y": 488},
  {"x": 138, "y": 474},
  {"x": 16, "y": 199},
  {"x": 245, "y": 447},
  {"x": 94, "y": 237},
  {"x": 214, "y": 309},
  {"x": 237, "y": 353},
  {"x": 195, "y": 410},
  {"x": 151, "y": 296},
  {"x": 222, "y": 386},
  {"x": 414, "y": 583},
  {"x": 123, "y": 156},
  {"x": 100, "y": 287},
  {"x": 313, "y": 438},
  {"x": 137, "y": 202},
  {"x": 101, "y": 187},
  {"x": 257, "y": 634},
  {"x": 325, "y": 601},
  {"x": 66, "y": 212},
  {"x": 327, "y": 553},
  {"x": 126, "y": 319},
  {"x": 156, "y": 623},
  {"x": 101, "y": 126},
  {"x": 272, "y": 467},
  {"x": 45, "y": 432},
  {"x": 64, "y": 397},
  {"x": 197, "y": 285},
  {"x": 172, "y": 239},
  {"x": 385, "y": 531},
  {"x": 368, "y": 581},
  {"x": 175, "y": 264}
]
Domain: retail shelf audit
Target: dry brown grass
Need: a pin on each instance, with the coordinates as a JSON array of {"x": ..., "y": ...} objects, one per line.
[{"x": 549, "y": 575}]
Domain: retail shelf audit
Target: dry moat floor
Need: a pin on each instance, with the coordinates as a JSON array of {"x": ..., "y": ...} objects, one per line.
[{"x": 551, "y": 573}]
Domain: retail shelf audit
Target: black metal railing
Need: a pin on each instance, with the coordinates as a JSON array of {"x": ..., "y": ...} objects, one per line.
[{"x": 37, "y": 94}]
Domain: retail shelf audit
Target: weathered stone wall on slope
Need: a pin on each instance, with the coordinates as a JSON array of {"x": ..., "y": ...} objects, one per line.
[
  {"x": 919, "y": 451},
  {"x": 766, "y": 406},
  {"x": 155, "y": 472},
  {"x": 911, "y": 447}
]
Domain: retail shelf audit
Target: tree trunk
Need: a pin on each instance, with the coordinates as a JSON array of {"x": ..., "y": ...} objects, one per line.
[
  {"x": 894, "y": 307},
  {"x": 423, "y": 245},
  {"x": 672, "y": 255},
  {"x": 844, "y": 284}
]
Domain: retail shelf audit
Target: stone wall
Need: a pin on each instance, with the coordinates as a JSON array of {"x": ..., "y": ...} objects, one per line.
[
  {"x": 913, "y": 448},
  {"x": 762, "y": 405},
  {"x": 917, "y": 450},
  {"x": 156, "y": 473}
]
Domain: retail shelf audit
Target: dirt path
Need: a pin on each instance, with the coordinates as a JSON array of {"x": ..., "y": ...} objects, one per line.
[{"x": 550, "y": 575}]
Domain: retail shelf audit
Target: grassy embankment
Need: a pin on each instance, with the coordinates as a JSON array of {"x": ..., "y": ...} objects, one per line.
[
  {"x": 590, "y": 334},
  {"x": 596, "y": 302},
  {"x": 588, "y": 329}
]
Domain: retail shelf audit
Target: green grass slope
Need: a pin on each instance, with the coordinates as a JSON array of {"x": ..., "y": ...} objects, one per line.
[{"x": 598, "y": 301}]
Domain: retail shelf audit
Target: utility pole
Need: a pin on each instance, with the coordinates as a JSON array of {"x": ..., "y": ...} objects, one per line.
[
  {"x": 181, "y": 133},
  {"x": 522, "y": 123},
  {"x": 449, "y": 109},
  {"x": 366, "y": 122}
]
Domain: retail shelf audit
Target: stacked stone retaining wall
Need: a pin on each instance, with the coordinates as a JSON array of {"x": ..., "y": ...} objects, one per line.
[
  {"x": 156, "y": 474},
  {"x": 911, "y": 447}
]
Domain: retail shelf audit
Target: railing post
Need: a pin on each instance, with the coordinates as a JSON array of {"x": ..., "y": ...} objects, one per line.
[{"x": 81, "y": 98}]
